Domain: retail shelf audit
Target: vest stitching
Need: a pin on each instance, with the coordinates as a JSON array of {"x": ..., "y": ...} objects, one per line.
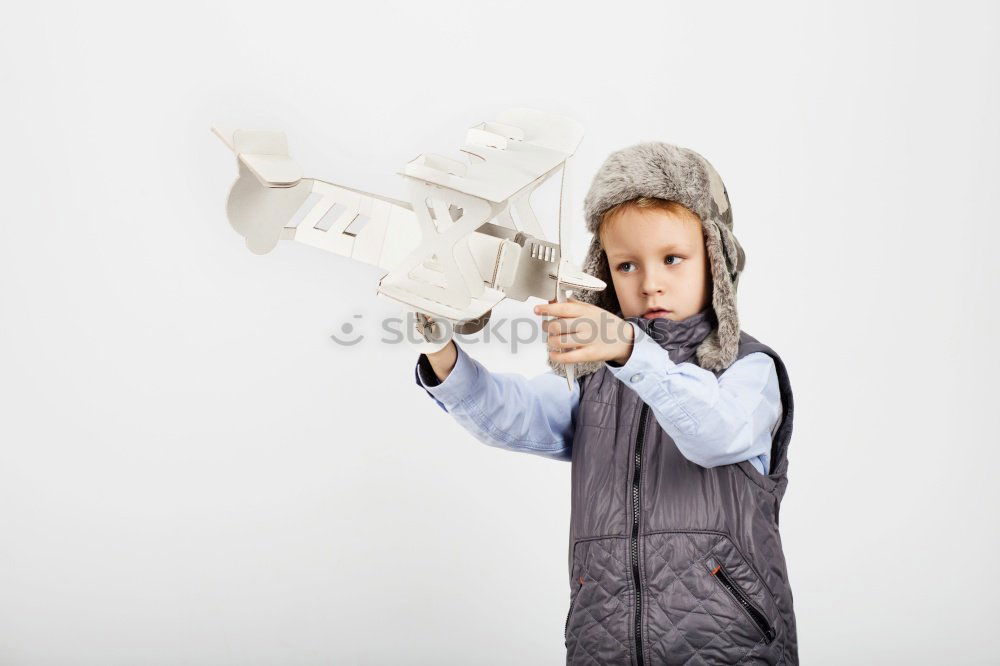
[
  {"x": 711, "y": 551},
  {"x": 583, "y": 648},
  {"x": 751, "y": 650},
  {"x": 600, "y": 536},
  {"x": 621, "y": 563},
  {"x": 679, "y": 577},
  {"x": 723, "y": 629},
  {"x": 724, "y": 538},
  {"x": 745, "y": 602},
  {"x": 644, "y": 629},
  {"x": 596, "y": 579}
]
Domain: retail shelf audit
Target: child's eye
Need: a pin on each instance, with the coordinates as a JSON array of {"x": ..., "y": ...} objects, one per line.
[
  {"x": 623, "y": 264},
  {"x": 679, "y": 259}
]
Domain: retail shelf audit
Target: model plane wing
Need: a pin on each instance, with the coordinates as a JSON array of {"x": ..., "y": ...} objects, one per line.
[{"x": 454, "y": 250}]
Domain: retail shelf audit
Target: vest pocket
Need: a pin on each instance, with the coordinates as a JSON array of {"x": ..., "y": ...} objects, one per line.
[
  {"x": 597, "y": 624},
  {"x": 742, "y": 600},
  {"x": 575, "y": 595},
  {"x": 693, "y": 616}
]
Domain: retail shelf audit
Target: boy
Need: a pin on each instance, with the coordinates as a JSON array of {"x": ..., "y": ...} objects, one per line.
[{"x": 675, "y": 555}]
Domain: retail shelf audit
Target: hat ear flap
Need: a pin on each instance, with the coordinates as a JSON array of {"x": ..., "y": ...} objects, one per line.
[
  {"x": 731, "y": 249},
  {"x": 719, "y": 348}
]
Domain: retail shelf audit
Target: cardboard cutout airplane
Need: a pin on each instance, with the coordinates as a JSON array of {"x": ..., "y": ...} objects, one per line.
[{"x": 466, "y": 240}]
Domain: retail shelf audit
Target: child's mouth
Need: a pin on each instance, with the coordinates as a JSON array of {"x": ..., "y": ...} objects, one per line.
[{"x": 653, "y": 314}]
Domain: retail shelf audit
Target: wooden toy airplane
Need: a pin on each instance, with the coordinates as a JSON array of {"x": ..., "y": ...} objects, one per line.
[{"x": 466, "y": 240}]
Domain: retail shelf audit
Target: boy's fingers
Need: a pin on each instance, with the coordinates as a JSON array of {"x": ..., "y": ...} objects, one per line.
[
  {"x": 559, "y": 326},
  {"x": 567, "y": 309},
  {"x": 561, "y": 342},
  {"x": 568, "y": 341},
  {"x": 583, "y": 330}
]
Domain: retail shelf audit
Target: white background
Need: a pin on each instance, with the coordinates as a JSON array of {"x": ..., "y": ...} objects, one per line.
[{"x": 193, "y": 472}]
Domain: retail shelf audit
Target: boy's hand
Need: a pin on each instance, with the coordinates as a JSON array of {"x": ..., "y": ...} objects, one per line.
[{"x": 585, "y": 332}]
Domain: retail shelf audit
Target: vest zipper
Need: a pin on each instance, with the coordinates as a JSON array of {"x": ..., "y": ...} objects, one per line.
[
  {"x": 634, "y": 543},
  {"x": 741, "y": 598}
]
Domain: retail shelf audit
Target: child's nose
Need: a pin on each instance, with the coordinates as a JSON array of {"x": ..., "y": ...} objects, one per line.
[{"x": 652, "y": 284}]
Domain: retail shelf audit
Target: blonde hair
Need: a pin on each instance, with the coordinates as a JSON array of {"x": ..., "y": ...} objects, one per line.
[{"x": 672, "y": 207}]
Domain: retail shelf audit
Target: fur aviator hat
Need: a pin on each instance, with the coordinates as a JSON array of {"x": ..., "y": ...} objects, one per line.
[{"x": 678, "y": 174}]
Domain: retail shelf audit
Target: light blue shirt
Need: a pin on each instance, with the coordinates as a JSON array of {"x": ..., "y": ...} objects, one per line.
[{"x": 713, "y": 420}]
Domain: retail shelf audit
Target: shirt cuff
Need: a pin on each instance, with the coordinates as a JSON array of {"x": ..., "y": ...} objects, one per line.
[
  {"x": 459, "y": 383},
  {"x": 422, "y": 370}
]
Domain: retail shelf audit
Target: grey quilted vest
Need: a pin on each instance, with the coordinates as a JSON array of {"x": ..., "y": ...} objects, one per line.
[{"x": 671, "y": 562}]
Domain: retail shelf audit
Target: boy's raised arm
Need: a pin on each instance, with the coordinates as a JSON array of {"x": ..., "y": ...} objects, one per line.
[
  {"x": 713, "y": 420},
  {"x": 505, "y": 410}
]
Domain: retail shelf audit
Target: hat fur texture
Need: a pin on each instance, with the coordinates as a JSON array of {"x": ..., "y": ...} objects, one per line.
[{"x": 670, "y": 172}]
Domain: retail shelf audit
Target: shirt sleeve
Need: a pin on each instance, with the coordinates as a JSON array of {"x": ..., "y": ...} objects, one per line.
[
  {"x": 713, "y": 420},
  {"x": 506, "y": 410}
]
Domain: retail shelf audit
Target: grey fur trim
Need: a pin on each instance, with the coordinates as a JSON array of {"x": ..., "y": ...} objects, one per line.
[{"x": 666, "y": 171}]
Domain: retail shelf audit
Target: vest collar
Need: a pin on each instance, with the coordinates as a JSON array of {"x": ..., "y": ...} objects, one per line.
[{"x": 678, "y": 335}]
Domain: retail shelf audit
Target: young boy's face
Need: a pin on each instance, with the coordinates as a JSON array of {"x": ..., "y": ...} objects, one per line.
[{"x": 658, "y": 262}]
